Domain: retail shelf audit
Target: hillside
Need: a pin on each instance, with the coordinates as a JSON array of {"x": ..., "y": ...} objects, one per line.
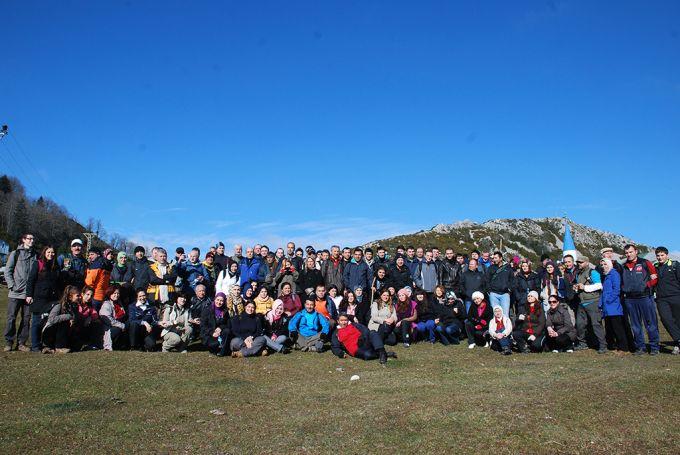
[{"x": 525, "y": 237}]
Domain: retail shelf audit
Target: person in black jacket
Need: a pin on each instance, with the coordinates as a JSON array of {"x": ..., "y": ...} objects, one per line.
[
  {"x": 530, "y": 325},
  {"x": 399, "y": 276},
  {"x": 248, "y": 333},
  {"x": 141, "y": 269},
  {"x": 357, "y": 341},
  {"x": 42, "y": 292},
  {"x": 450, "y": 272},
  {"x": 450, "y": 319},
  {"x": 472, "y": 280},
  {"x": 309, "y": 279},
  {"x": 526, "y": 281},
  {"x": 477, "y": 324},
  {"x": 215, "y": 327},
  {"x": 121, "y": 274},
  {"x": 499, "y": 279}
]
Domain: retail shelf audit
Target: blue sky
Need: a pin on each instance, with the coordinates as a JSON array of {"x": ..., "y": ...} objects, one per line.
[{"x": 188, "y": 122}]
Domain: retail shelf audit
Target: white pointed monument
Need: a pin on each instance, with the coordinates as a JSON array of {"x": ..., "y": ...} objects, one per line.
[{"x": 568, "y": 246}]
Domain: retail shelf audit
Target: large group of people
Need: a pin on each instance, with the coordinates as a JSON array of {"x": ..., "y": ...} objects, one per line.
[{"x": 353, "y": 301}]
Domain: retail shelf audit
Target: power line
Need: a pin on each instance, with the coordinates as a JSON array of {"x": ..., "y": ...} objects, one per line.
[
  {"x": 47, "y": 187},
  {"x": 26, "y": 175}
]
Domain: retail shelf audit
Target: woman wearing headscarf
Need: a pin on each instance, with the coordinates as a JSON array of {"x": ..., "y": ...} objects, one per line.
[
  {"x": 500, "y": 330},
  {"x": 610, "y": 306},
  {"x": 276, "y": 328},
  {"x": 215, "y": 326},
  {"x": 234, "y": 302},
  {"x": 227, "y": 278}
]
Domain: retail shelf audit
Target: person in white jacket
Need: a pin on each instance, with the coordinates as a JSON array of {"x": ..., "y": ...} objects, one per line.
[
  {"x": 500, "y": 329},
  {"x": 227, "y": 278}
]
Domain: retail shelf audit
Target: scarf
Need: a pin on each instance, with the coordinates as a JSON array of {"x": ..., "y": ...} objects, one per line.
[
  {"x": 499, "y": 324},
  {"x": 118, "y": 311},
  {"x": 271, "y": 316},
  {"x": 219, "y": 312}
]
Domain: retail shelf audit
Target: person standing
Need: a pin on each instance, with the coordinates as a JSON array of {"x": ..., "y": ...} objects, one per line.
[
  {"x": 97, "y": 276},
  {"x": 20, "y": 262},
  {"x": 499, "y": 279},
  {"x": 73, "y": 265},
  {"x": 612, "y": 310},
  {"x": 588, "y": 286},
  {"x": 668, "y": 295},
  {"x": 450, "y": 272},
  {"x": 639, "y": 278},
  {"x": 42, "y": 292},
  {"x": 426, "y": 277}
]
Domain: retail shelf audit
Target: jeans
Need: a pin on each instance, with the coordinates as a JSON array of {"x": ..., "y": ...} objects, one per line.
[
  {"x": 277, "y": 345},
  {"x": 501, "y": 300},
  {"x": 503, "y": 343},
  {"x": 429, "y": 327},
  {"x": 468, "y": 304},
  {"x": 37, "y": 323},
  {"x": 14, "y": 307},
  {"x": 449, "y": 334},
  {"x": 642, "y": 311}
]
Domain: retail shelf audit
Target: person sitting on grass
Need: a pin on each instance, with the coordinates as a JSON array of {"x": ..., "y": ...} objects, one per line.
[
  {"x": 425, "y": 326},
  {"x": 500, "y": 329},
  {"x": 248, "y": 333},
  {"x": 450, "y": 319},
  {"x": 324, "y": 305},
  {"x": 276, "y": 327},
  {"x": 87, "y": 328},
  {"x": 142, "y": 323},
  {"x": 263, "y": 303},
  {"x": 197, "y": 304},
  {"x": 57, "y": 334},
  {"x": 234, "y": 302},
  {"x": 176, "y": 325},
  {"x": 215, "y": 326},
  {"x": 477, "y": 324},
  {"x": 308, "y": 328},
  {"x": 384, "y": 317},
  {"x": 291, "y": 301},
  {"x": 530, "y": 325},
  {"x": 561, "y": 331},
  {"x": 112, "y": 314},
  {"x": 358, "y": 341},
  {"x": 407, "y": 315}
]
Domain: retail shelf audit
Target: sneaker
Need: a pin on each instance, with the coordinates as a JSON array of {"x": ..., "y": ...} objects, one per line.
[
  {"x": 165, "y": 350},
  {"x": 47, "y": 351},
  {"x": 569, "y": 351},
  {"x": 602, "y": 351},
  {"x": 471, "y": 346},
  {"x": 407, "y": 345},
  {"x": 580, "y": 347},
  {"x": 639, "y": 352},
  {"x": 23, "y": 348},
  {"x": 264, "y": 352},
  {"x": 676, "y": 350},
  {"x": 653, "y": 352},
  {"x": 7, "y": 348},
  {"x": 184, "y": 352},
  {"x": 237, "y": 354},
  {"x": 62, "y": 350},
  {"x": 391, "y": 354},
  {"x": 487, "y": 345}
]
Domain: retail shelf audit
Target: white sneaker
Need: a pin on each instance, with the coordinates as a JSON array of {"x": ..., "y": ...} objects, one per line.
[
  {"x": 471, "y": 346},
  {"x": 570, "y": 351},
  {"x": 676, "y": 350},
  {"x": 487, "y": 345},
  {"x": 555, "y": 351}
]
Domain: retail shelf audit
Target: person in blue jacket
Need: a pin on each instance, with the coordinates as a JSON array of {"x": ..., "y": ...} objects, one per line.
[
  {"x": 192, "y": 272},
  {"x": 249, "y": 268},
  {"x": 357, "y": 273},
  {"x": 309, "y": 326},
  {"x": 142, "y": 322},
  {"x": 611, "y": 308}
]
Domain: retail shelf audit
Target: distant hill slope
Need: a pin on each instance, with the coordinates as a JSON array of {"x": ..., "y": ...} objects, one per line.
[{"x": 525, "y": 237}]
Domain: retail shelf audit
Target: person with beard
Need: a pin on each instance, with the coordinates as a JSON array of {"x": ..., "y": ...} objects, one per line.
[
  {"x": 42, "y": 291},
  {"x": 227, "y": 278}
]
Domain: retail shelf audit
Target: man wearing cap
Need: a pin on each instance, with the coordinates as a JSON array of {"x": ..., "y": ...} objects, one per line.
[
  {"x": 141, "y": 269},
  {"x": 588, "y": 287},
  {"x": 97, "y": 276},
  {"x": 608, "y": 253},
  {"x": 638, "y": 279},
  {"x": 73, "y": 265}
]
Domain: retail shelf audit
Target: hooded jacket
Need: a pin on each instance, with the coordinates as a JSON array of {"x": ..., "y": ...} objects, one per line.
[
  {"x": 18, "y": 267},
  {"x": 308, "y": 324}
]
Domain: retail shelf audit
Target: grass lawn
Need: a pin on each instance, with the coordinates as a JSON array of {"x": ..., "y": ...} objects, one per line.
[{"x": 432, "y": 399}]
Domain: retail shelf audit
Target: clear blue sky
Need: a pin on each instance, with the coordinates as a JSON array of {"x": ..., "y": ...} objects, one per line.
[{"x": 188, "y": 122}]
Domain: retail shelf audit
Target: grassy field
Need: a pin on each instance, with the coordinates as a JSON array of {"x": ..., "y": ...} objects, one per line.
[{"x": 433, "y": 398}]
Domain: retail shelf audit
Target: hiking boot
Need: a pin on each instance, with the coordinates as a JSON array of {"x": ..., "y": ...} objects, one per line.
[
  {"x": 391, "y": 354},
  {"x": 407, "y": 345},
  {"x": 507, "y": 351},
  {"x": 676, "y": 350},
  {"x": 23, "y": 348},
  {"x": 47, "y": 351},
  {"x": 62, "y": 350},
  {"x": 237, "y": 354},
  {"x": 602, "y": 351},
  {"x": 653, "y": 352},
  {"x": 264, "y": 353},
  {"x": 639, "y": 352},
  {"x": 383, "y": 357},
  {"x": 7, "y": 348},
  {"x": 580, "y": 347}
]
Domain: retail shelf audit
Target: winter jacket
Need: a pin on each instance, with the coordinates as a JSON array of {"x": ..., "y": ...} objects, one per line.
[
  {"x": 523, "y": 284},
  {"x": 399, "y": 278},
  {"x": 278, "y": 327},
  {"x": 637, "y": 278},
  {"x": 157, "y": 279},
  {"x": 43, "y": 286},
  {"x": 225, "y": 280},
  {"x": 554, "y": 286},
  {"x": 480, "y": 322},
  {"x": 450, "y": 314},
  {"x": 58, "y": 315},
  {"x": 146, "y": 313},
  {"x": 262, "y": 306},
  {"x": 426, "y": 277},
  {"x": 249, "y": 270},
  {"x": 309, "y": 279},
  {"x": 668, "y": 283},
  {"x": 288, "y": 275},
  {"x": 73, "y": 270},
  {"x": 378, "y": 316},
  {"x": 411, "y": 265},
  {"x": 140, "y": 273},
  {"x": 450, "y": 275},
  {"x": 472, "y": 282},
  {"x": 210, "y": 322},
  {"x": 121, "y": 275},
  {"x": 308, "y": 324},
  {"x": 107, "y": 314},
  {"x": 534, "y": 322},
  {"x": 197, "y": 306},
  {"x": 19, "y": 264},
  {"x": 560, "y": 321},
  {"x": 349, "y": 339},
  {"x": 246, "y": 325},
  {"x": 189, "y": 272},
  {"x": 610, "y": 299},
  {"x": 357, "y": 275},
  {"x": 332, "y": 273},
  {"x": 98, "y": 277},
  {"x": 493, "y": 327},
  {"x": 499, "y": 279},
  {"x": 291, "y": 304},
  {"x": 179, "y": 318},
  {"x": 425, "y": 311}
]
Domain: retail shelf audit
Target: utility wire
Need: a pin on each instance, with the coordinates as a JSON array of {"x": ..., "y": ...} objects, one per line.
[
  {"x": 34, "y": 168},
  {"x": 27, "y": 177}
]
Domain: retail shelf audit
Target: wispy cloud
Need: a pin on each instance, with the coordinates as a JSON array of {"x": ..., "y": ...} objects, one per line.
[{"x": 166, "y": 210}]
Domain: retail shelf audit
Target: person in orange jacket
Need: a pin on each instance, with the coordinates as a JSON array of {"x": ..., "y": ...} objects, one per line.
[{"x": 97, "y": 276}]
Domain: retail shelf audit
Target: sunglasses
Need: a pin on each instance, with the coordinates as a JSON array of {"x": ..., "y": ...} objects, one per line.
[{"x": 553, "y": 301}]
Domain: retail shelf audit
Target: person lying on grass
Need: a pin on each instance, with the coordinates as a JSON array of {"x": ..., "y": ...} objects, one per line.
[
  {"x": 356, "y": 340},
  {"x": 309, "y": 327}
]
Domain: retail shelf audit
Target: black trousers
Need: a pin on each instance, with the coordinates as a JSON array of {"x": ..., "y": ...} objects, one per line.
[
  {"x": 615, "y": 333},
  {"x": 58, "y": 336},
  {"x": 559, "y": 342},
  {"x": 138, "y": 334},
  {"x": 522, "y": 339},
  {"x": 476, "y": 336},
  {"x": 387, "y": 333},
  {"x": 404, "y": 332},
  {"x": 370, "y": 348}
]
